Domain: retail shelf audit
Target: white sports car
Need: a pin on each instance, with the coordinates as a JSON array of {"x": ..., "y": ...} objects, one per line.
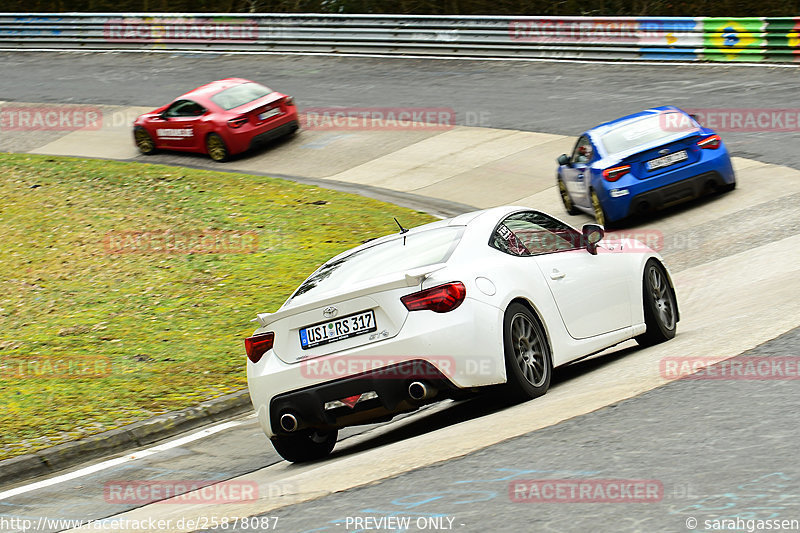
[{"x": 500, "y": 296}]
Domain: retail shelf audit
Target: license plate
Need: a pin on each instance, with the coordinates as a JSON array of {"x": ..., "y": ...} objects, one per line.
[
  {"x": 269, "y": 113},
  {"x": 338, "y": 329},
  {"x": 667, "y": 160}
]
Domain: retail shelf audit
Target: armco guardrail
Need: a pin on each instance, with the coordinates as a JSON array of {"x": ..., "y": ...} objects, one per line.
[{"x": 751, "y": 39}]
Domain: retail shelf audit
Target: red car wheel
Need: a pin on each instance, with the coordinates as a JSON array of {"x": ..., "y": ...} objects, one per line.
[{"x": 216, "y": 147}]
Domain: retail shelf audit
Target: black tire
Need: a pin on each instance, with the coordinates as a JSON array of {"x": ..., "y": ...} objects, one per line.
[
  {"x": 569, "y": 205},
  {"x": 728, "y": 187},
  {"x": 529, "y": 364},
  {"x": 216, "y": 148},
  {"x": 660, "y": 305},
  {"x": 306, "y": 445},
  {"x": 144, "y": 141}
]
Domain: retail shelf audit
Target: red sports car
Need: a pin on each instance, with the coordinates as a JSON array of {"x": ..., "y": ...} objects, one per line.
[{"x": 221, "y": 118}]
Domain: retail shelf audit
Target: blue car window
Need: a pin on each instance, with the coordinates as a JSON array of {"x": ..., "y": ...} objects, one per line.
[
  {"x": 583, "y": 152},
  {"x": 645, "y": 130}
]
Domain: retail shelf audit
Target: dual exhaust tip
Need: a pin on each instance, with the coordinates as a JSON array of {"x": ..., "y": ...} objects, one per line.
[{"x": 417, "y": 391}]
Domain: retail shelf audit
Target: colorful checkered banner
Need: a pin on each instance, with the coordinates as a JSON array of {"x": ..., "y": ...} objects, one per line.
[{"x": 749, "y": 39}]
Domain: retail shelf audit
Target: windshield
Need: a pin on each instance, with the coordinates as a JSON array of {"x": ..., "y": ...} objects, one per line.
[
  {"x": 397, "y": 255},
  {"x": 645, "y": 131},
  {"x": 240, "y": 95}
]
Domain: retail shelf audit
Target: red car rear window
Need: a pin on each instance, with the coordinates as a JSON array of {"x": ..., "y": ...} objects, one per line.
[{"x": 240, "y": 95}]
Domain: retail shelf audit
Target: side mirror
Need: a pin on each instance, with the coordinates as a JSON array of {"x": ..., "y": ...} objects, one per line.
[
  {"x": 163, "y": 116},
  {"x": 695, "y": 118},
  {"x": 592, "y": 234},
  {"x": 563, "y": 160}
]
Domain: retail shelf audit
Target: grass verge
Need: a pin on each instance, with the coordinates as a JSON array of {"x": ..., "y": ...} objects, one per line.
[{"x": 127, "y": 288}]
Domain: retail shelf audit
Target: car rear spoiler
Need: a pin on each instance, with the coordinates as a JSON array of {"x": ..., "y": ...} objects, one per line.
[{"x": 410, "y": 278}]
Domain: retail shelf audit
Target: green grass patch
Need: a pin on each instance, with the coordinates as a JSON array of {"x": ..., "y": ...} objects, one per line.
[{"x": 133, "y": 334}]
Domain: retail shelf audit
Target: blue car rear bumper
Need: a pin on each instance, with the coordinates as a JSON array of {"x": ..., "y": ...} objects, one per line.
[{"x": 631, "y": 195}]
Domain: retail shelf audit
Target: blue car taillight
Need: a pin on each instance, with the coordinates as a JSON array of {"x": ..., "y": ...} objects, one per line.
[
  {"x": 615, "y": 173},
  {"x": 712, "y": 142}
]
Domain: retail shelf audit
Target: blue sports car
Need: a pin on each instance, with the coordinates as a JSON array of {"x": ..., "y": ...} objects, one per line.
[{"x": 643, "y": 162}]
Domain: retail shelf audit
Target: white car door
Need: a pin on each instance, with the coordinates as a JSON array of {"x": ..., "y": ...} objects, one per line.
[{"x": 590, "y": 291}]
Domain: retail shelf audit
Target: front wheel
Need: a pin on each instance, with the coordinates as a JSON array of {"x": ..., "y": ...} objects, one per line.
[
  {"x": 307, "y": 445},
  {"x": 529, "y": 364},
  {"x": 144, "y": 141},
  {"x": 660, "y": 306},
  {"x": 216, "y": 148}
]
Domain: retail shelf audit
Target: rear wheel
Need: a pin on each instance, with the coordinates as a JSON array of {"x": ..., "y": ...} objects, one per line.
[
  {"x": 728, "y": 187},
  {"x": 565, "y": 198},
  {"x": 216, "y": 148},
  {"x": 599, "y": 213},
  {"x": 307, "y": 445},
  {"x": 660, "y": 305},
  {"x": 144, "y": 142},
  {"x": 527, "y": 354}
]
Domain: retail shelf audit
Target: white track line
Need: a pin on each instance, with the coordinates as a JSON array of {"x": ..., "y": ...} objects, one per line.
[
  {"x": 664, "y": 63},
  {"x": 120, "y": 460}
]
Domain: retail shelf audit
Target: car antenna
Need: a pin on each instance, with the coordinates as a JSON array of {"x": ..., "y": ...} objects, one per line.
[{"x": 402, "y": 229}]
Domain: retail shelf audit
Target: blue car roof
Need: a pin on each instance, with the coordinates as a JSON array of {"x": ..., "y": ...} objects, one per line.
[{"x": 612, "y": 124}]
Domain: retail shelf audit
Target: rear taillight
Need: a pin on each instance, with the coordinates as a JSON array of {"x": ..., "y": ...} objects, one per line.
[
  {"x": 439, "y": 299},
  {"x": 257, "y": 345},
  {"x": 615, "y": 173},
  {"x": 288, "y": 101},
  {"x": 237, "y": 122},
  {"x": 712, "y": 142}
]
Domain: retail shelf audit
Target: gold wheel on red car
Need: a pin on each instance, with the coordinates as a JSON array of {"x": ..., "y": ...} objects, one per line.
[
  {"x": 143, "y": 141},
  {"x": 216, "y": 148}
]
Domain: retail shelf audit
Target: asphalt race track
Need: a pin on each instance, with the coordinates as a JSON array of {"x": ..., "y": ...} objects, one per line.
[
  {"x": 561, "y": 98},
  {"x": 718, "y": 449}
]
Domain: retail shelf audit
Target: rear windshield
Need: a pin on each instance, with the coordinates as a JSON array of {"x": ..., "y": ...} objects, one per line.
[
  {"x": 645, "y": 130},
  {"x": 240, "y": 95},
  {"x": 403, "y": 253}
]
